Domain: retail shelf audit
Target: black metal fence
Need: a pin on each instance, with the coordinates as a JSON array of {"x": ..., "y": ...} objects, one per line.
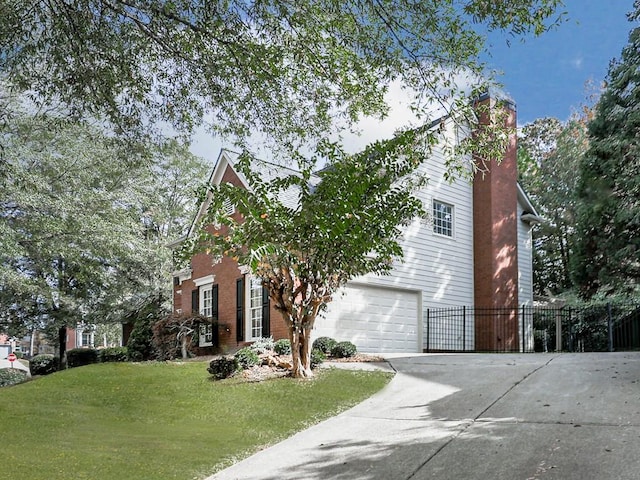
[{"x": 589, "y": 328}]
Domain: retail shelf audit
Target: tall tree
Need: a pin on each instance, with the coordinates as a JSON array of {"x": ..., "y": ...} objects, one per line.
[
  {"x": 607, "y": 257},
  {"x": 549, "y": 155},
  {"x": 286, "y": 69},
  {"x": 83, "y": 222}
]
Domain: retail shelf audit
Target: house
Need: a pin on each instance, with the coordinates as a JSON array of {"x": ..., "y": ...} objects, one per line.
[{"x": 476, "y": 250}]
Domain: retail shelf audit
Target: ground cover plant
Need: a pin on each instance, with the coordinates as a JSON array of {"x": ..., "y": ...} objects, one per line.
[{"x": 160, "y": 420}]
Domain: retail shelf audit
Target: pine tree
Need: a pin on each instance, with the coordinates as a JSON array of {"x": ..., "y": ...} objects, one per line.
[{"x": 607, "y": 251}]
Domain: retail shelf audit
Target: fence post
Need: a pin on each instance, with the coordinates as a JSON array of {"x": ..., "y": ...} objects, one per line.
[
  {"x": 559, "y": 315},
  {"x": 523, "y": 343},
  {"x": 428, "y": 310},
  {"x": 464, "y": 328},
  {"x": 610, "y": 326}
]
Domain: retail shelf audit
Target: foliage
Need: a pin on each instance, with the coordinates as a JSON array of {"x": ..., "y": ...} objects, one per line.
[
  {"x": 347, "y": 223},
  {"x": 81, "y": 211},
  {"x": 344, "y": 350},
  {"x": 283, "y": 69},
  {"x": 130, "y": 409},
  {"x": 282, "y": 346},
  {"x": 173, "y": 336},
  {"x": 43, "y": 364},
  {"x": 113, "y": 354},
  {"x": 262, "y": 345},
  {"x": 140, "y": 344},
  {"x": 607, "y": 257},
  {"x": 324, "y": 344},
  {"x": 246, "y": 357},
  {"x": 12, "y": 376},
  {"x": 223, "y": 367},
  {"x": 78, "y": 357},
  {"x": 317, "y": 357},
  {"x": 549, "y": 153}
]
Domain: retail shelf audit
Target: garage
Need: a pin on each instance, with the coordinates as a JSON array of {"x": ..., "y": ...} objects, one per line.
[{"x": 376, "y": 319}]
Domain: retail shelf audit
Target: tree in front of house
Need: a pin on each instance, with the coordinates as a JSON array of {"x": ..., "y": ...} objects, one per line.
[
  {"x": 345, "y": 222},
  {"x": 607, "y": 256},
  {"x": 290, "y": 70}
]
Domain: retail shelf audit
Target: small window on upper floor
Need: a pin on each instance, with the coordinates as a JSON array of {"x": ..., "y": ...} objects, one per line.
[{"x": 442, "y": 218}]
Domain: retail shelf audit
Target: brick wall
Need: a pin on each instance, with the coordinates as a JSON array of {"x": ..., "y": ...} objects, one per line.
[
  {"x": 496, "y": 239},
  {"x": 226, "y": 273}
]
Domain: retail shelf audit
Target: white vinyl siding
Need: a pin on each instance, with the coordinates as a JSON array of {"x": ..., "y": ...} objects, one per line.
[{"x": 439, "y": 266}]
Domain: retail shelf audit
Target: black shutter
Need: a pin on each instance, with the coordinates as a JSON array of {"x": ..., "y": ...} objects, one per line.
[
  {"x": 240, "y": 309},
  {"x": 195, "y": 300},
  {"x": 214, "y": 315},
  {"x": 266, "y": 320}
]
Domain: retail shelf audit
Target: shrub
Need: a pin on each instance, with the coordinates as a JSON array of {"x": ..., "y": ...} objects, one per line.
[
  {"x": 43, "y": 364},
  {"x": 317, "y": 357},
  {"x": 344, "y": 350},
  {"x": 262, "y": 345},
  {"x": 113, "y": 354},
  {"x": 324, "y": 344},
  {"x": 139, "y": 345},
  {"x": 171, "y": 333},
  {"x": 282, "y": 347},
  {"x": 223, "y": 367},
  {"x": 78, "y": 357},
  {"x": 12, "y": 376},
  {"x": 246, "y": 357}
]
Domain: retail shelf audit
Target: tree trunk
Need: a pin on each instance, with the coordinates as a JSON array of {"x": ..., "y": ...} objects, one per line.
[
  {"x": 184, "y": 347},
  {"x": 300, "y": 338}
]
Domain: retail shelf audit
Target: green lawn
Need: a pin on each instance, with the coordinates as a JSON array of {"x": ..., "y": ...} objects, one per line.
[{"x": 159, "y": 420}]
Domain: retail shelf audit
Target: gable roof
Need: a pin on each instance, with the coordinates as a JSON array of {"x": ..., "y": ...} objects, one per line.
[{"x": 228, "y": 158}]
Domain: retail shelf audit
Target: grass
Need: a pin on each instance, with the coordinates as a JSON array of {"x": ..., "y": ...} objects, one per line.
[{"x": 159, "y": 420}]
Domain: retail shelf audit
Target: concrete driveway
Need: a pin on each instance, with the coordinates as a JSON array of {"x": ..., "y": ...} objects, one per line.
[{"x": 476, "y": 416}]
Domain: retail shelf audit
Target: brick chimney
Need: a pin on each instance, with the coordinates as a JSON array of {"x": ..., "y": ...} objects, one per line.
[{"x": 495, "y": 220}]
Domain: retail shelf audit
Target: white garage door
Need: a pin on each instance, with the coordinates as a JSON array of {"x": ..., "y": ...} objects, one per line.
[{"x": 375, "y": 319}]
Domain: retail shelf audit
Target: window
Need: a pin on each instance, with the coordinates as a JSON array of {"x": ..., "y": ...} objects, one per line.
[
  {"x": 205, "y": 337},
  {"x": 86, "y": 339},
  {"x": 205, "y": 300},
  {"x": 207, "y": 307},
  {"x": 442, "y": 218},
  {"x": 256, "y": 308}
]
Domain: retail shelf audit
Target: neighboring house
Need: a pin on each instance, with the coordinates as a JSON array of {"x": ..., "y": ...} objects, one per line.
[
  {"x": 83, "y": 336},
  {"x": 474, "y": 251}
]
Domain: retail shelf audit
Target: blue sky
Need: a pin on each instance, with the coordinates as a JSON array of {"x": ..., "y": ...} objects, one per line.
[{"x": 546, "y": 75}]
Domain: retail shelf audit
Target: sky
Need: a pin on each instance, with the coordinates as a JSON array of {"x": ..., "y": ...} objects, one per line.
[{"x": 546, "y": 76}]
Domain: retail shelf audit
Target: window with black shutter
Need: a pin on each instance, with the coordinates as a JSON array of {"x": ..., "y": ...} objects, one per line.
[
  {"x": 240, "y": 309},
  {"x": 266, "y": 324}
]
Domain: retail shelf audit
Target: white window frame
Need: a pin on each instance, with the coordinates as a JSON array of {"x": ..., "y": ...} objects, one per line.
[
  {"x": 205, "y": 308},
  {"x": 253, "y": 308},
  {"x": 85, "y": 331},
  {"x": 443, "y": 226}
]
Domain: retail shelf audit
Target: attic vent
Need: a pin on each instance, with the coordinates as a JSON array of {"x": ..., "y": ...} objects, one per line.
[{"x": 228, "y": 206}]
